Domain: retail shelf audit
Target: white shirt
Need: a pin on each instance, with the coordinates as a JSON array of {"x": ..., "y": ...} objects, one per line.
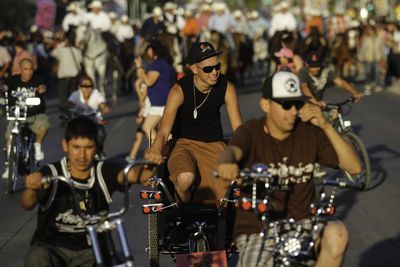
[
  {"x": 221, "y": 23},
  {"x": 92, "y": 106},
  {"x": 72, "y": 19},
  {"x": 5, "y": 57},
  {"x": 123, "y": 32},
  {"x": 100, "y": 21},
  {"x": 69, "y": 59},
  {"x": 282, "y": 21}
]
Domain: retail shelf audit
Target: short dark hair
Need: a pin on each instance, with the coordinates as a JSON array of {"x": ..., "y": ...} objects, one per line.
[{"x": 83, "y": 127}]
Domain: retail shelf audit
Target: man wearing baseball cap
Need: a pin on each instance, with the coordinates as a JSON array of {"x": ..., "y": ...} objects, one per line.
[
  {"x": 290, "y": 139},
  {"x": 192, "y": 115},
  {"x": 315, "y": 78}
]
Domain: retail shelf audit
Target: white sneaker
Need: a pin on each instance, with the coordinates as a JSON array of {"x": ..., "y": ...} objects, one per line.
[
  {"x": 5, "y": 174},
  {"x": 39, "y": 155}
]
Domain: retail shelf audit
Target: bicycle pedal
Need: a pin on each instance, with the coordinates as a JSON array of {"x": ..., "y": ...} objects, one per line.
[
  {"x": 148, "y": 194},
  {"x": 152, "y": 208}
]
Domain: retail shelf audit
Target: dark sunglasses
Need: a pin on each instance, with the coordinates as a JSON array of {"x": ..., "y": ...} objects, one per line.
[
  {"x": 209, "y": 69},
  {"x": 286, "y": 105}
]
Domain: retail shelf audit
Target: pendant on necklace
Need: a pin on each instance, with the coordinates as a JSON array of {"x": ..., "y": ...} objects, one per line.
[
  {"x": 82, "y": 205},
  {"x": 195, "y": 113}
]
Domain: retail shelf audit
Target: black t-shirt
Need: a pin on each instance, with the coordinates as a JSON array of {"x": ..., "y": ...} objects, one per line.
[
  {"x": 58, "y": 223},
  {"x": 15, "y": 83},
  {"x": 292, "y": 158}
]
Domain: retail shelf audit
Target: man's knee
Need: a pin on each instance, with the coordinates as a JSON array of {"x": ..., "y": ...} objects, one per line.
[
  {"x": 40, "y": 256},
  {"x": 184, "y": 181},
  {"x": 335, "y": 238}
]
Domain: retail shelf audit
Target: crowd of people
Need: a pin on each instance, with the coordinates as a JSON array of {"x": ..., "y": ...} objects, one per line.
[{"x": 183, "y": 67}]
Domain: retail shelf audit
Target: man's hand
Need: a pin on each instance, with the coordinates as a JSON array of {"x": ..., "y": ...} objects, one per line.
[
  {"x": 33, "y": 181},
  {"x": 314, "y": 101},
  {"x": 357, "y": 97},
  {"x": 228, "y": 171},
  {"x": 153, "y": 155},
  {"x": 42, "y": 89},
  {"x": 313, "y": 114}
]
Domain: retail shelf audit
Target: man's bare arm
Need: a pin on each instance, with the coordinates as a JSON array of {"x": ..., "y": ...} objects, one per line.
[{"x": 232, "y": 106}]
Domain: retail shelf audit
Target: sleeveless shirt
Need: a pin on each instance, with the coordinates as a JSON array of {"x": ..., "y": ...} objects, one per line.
[
  {"x": 57, "y": 223},
  {"x": 207, "y": 126}
]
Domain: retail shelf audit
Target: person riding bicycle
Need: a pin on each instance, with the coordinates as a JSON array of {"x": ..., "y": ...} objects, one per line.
[
  {"x": 60, "y": 238},
  {"x": 90, "y": 102},
  {"x": 315, "y": 77},
  {"x": 292, "y": 137},
  {"x": 192, "y": 113},
  {"x": 37, "y": 120}
]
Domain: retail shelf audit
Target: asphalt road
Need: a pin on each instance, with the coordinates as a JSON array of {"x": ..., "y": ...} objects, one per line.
[{"x": 372, "y": 217}]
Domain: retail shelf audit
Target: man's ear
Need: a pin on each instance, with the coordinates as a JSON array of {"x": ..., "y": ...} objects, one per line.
[
  {"x": 193, "y": 68},
  {"x": 65, "y": 145},
  {"x": 265, "y": 105}
]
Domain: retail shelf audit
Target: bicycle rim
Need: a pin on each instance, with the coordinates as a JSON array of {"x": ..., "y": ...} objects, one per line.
[
  {"x": 358, "y": 145},
  {"x": 12, "y": 165}
]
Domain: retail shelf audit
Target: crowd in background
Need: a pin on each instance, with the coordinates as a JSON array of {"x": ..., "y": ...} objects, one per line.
[{"x": 361, "y": 50}]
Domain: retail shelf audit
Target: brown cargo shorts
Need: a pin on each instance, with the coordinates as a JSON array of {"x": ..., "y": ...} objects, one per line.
[{"x": 201, "y": 159}]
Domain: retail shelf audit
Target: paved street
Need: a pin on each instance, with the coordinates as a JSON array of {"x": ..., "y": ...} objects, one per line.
[{"x": 372, "y": 217}]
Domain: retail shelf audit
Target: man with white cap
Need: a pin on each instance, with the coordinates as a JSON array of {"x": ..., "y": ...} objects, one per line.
[
  {"x": 174, "y": 22},
  {"x": 74, "y": 17},
  {"x": 124, "y": 30},
  {"x": 283, "y": 20},
  {"x": 223, "y": 22},
  {"x": 153, "y": 26},
  {"x": 97, "y": 18},
  {"x": 290, "y": 139}
]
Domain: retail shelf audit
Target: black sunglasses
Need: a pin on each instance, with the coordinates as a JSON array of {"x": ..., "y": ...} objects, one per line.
[
  {"x": 209, "y": 69},
  {"x": 288, "y": 104}
]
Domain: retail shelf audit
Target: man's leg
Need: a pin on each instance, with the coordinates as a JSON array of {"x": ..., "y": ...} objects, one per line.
[
  {"x": 42, "y": 256},
  {"x": 253, "y": 251},
  {"x": 182, "y": 169},
  {"x": 333, "y": 245},
  {"x": 207, "y": 155},
  {"x": 39, "y": 124}
]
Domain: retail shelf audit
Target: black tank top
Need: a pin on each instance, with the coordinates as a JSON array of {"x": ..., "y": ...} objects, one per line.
[{"x": 207, "y": 126}]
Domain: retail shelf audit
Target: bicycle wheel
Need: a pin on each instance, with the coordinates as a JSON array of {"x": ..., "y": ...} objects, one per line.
[
  {"x": 365, "y": 175},
  {"x": 153, "y": 240},
  {"x": 12, "y": 164},
  {"x": 201, "y": 244}
]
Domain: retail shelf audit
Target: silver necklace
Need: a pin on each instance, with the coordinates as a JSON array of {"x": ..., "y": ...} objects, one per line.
[{"x": 194, "y": 100}]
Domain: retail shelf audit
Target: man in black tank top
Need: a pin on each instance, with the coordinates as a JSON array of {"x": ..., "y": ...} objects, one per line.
[
  {"x": 192, "y": 115},
  {"x": 60, "y": 238}
]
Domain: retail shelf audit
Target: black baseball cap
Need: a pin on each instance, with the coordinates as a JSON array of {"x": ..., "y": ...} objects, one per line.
[
  {"x": 201, "y": 51},
  {"x": 282, "y": 85}
]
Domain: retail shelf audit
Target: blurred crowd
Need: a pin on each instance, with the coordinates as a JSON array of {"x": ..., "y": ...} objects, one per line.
[{"x": 361, "y": 49}]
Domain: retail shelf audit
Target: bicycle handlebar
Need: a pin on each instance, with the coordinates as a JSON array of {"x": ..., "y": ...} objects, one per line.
[
  {"x": 343, "y": 184},
  {"x": 338, "y": 105}
]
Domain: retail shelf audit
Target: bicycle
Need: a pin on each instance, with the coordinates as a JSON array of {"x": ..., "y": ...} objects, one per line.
[
  {"x": 103, "y": 227},
  {"x": 335, "y": 111},
  {"x": 191, "y": 227},
  {"x": 20, "y": 148},
  {"x": 290, "y": 242}
]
